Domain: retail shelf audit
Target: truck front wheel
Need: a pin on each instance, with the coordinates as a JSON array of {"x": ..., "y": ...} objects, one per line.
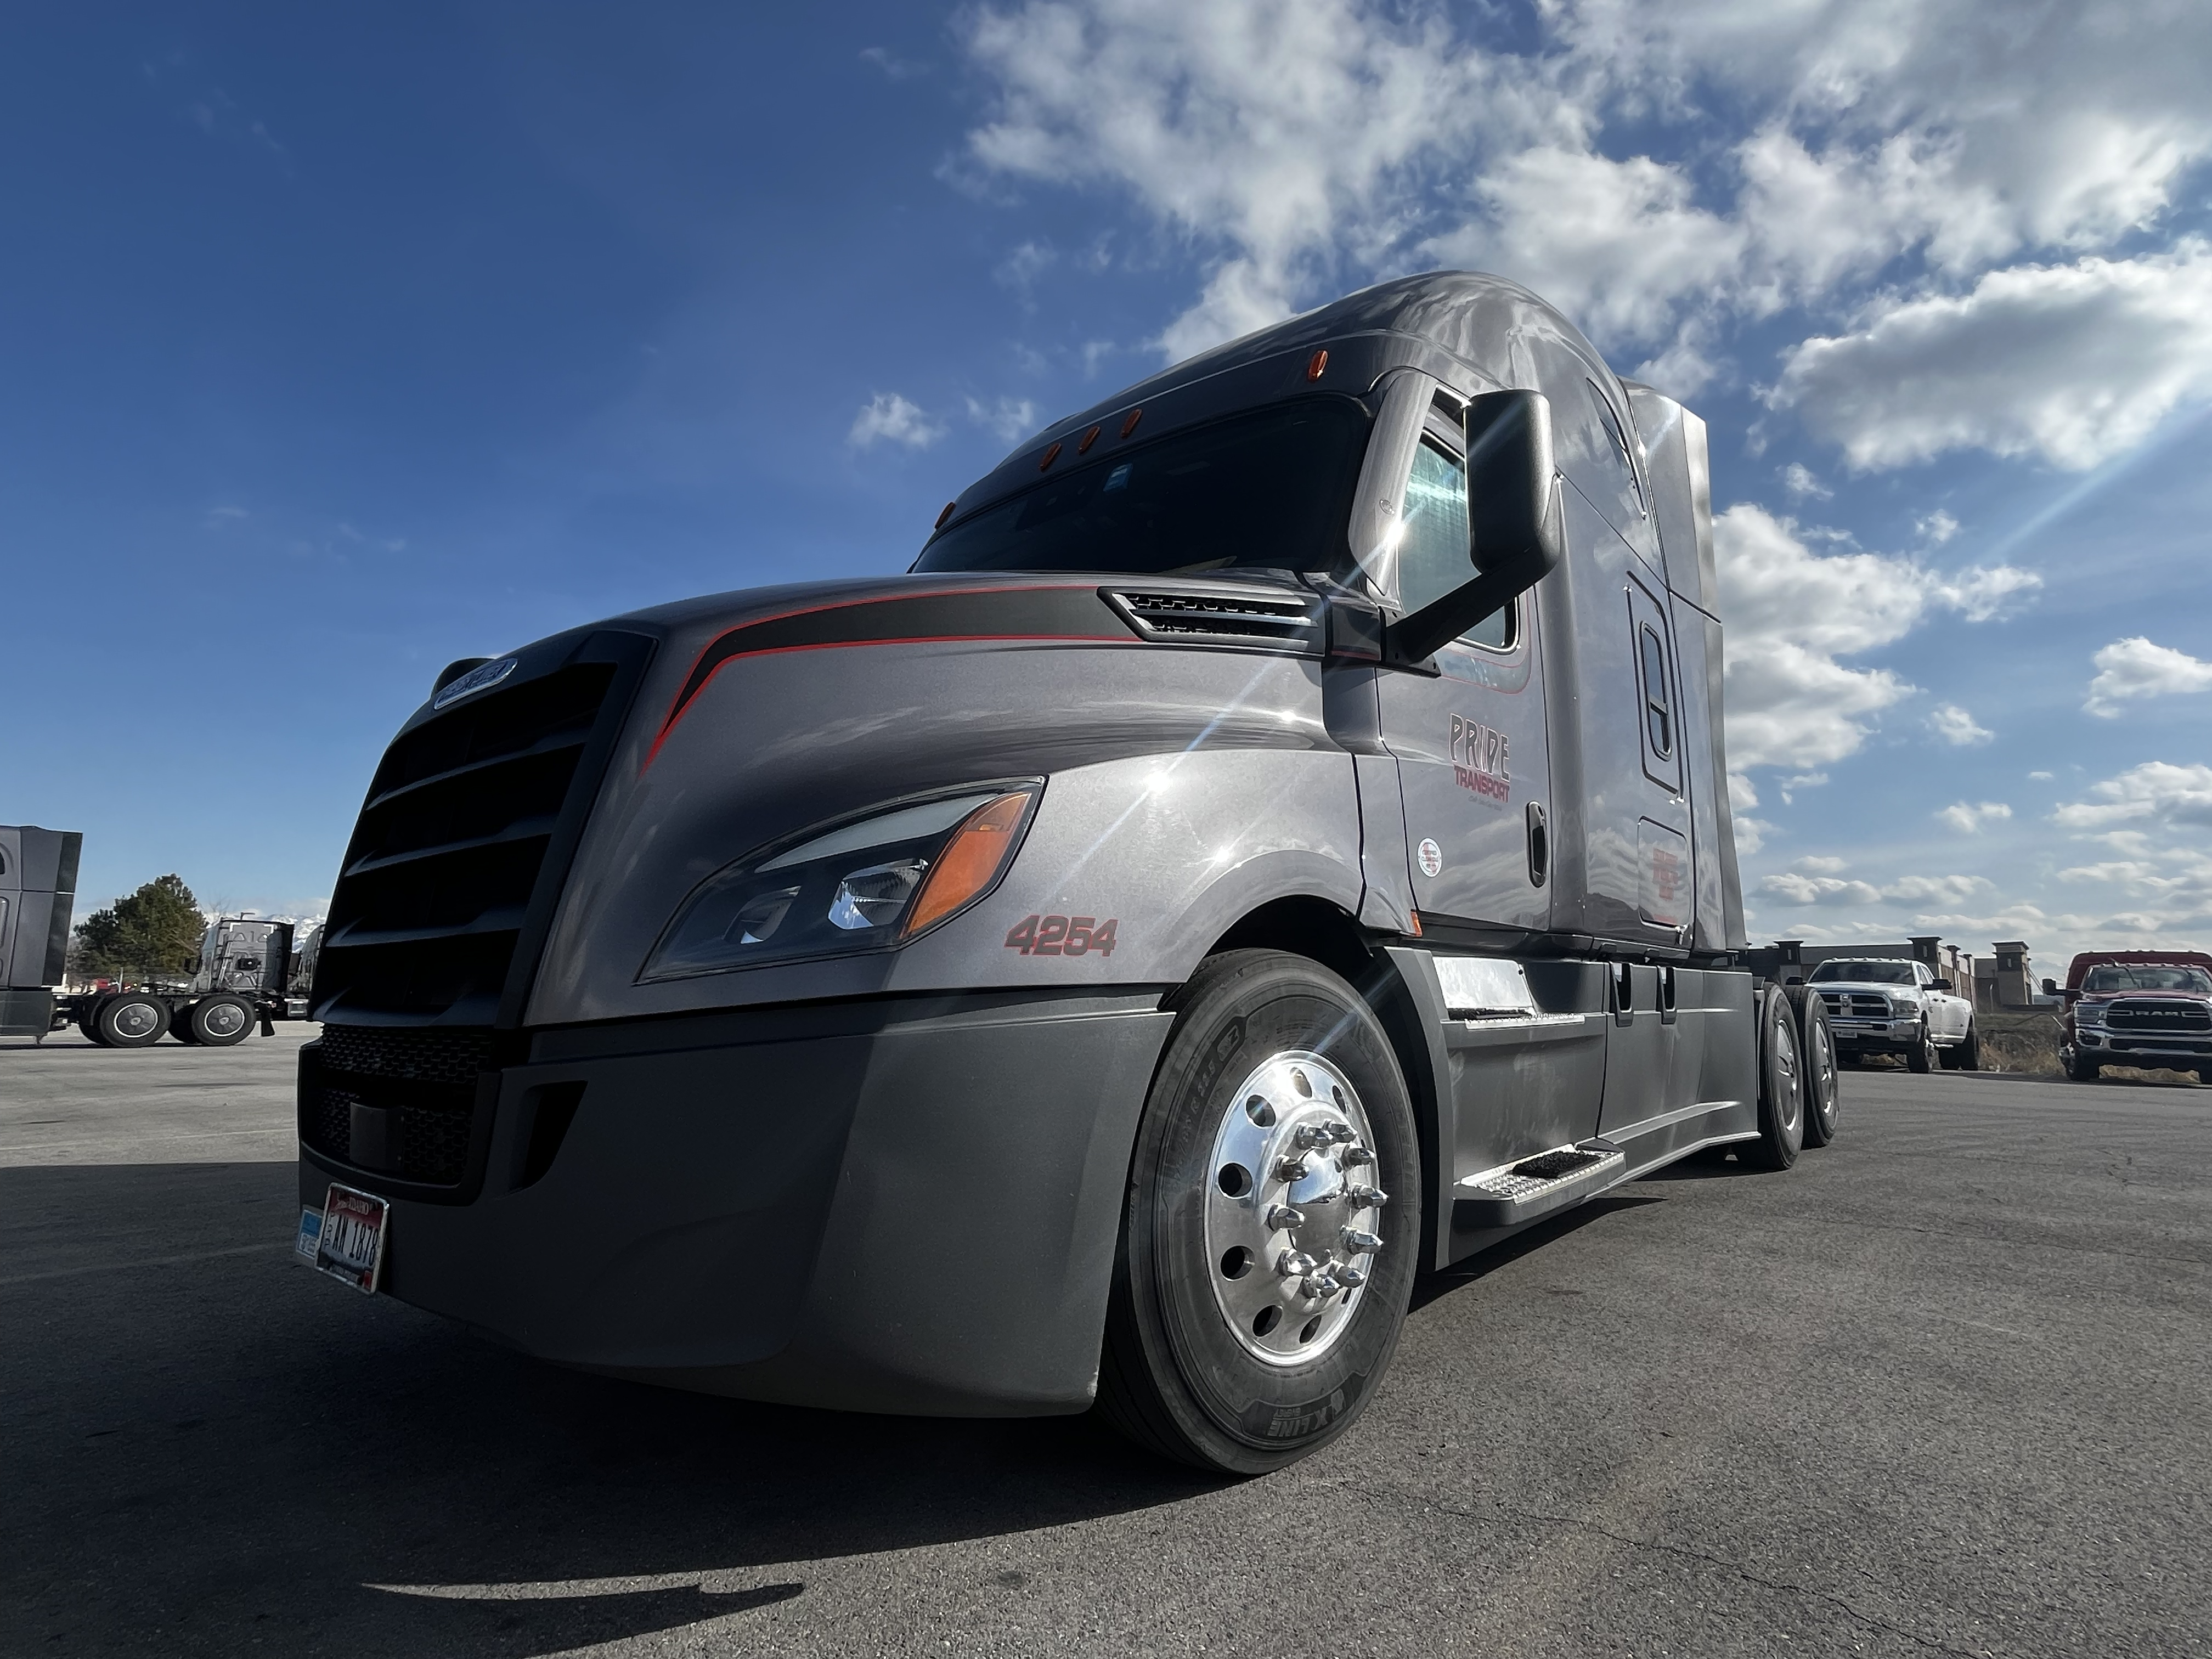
[
  {"x": 1273, "y": 1224},
  {"x": 1921, "y": 1057},
  {"x": 1781, "y": 1088},
  {"x": 131, "y": 1021}
]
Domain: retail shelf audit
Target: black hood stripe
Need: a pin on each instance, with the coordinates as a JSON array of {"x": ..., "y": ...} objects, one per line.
[{"x": 969, "y": 613}]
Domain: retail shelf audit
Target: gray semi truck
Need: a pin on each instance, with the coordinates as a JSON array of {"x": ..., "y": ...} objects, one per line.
[{"x": 1274, "y": 841}]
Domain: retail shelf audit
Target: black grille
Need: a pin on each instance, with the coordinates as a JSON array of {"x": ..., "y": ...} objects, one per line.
[
  {"x": 1278, "y": 624},
  {"x": 433, "y": 1055},
  {"x": 456, "y": 861},
  {"x": 2149, "y": 1016},
  {"x": 1856, "y": 1004},
  {"x": 424, "y": 1081}
]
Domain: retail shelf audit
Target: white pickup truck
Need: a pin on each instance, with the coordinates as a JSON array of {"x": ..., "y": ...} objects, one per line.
[{"x": 1883, "y": 1005}]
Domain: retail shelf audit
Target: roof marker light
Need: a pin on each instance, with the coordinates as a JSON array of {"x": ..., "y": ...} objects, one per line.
[
  {"x": 1130, "y": 425},
  {"x": 944, "y": 515},
  {"x": 1089, "y": 438},
  {"x": 1050, "y": 456},
  {"x": 1315, "y": 363}
]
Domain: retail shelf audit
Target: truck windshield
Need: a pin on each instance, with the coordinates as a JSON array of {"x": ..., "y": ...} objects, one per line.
[
  {"x": 2148, "y": 977},
  {"x": 1865, "y": 973},
  {"x": 1269, "y": 490}
]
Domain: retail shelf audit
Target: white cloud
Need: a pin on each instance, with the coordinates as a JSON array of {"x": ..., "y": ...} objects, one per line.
[
  {"x": 1008, "y": 419},
  {"x": 2156, "y": 792},
  {"x": 1819, "y": 865},
  {"x": 1967, "y": 819},
  {"x": 1798, "y": 479},
  {"x": 2136, "y": 668},
  {"x": 2074, "y": 363},
  {"x": 1751, "y": 835},
  {"x": 2042, "y": 777},
  {"x": 1937, "y": 528},
  {"x": 1956, "y": 726},
  {"x": 1794, "y": 888},
  {"x": 889, "y": 417},
  {"x": 1818, "y": 881},
  {"x": 1790, "y": 613},
  {"x": 1742, "y": 797}
]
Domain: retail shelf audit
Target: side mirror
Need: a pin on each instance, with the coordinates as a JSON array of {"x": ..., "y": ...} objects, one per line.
[
  {"x": 1517, "y": 534},
  {"x": 2051, "y": 987},
  {"x": 1939, "y": 984}
]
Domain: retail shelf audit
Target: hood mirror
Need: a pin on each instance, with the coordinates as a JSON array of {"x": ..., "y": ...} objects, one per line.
[{"x": 1514, "y": 515}]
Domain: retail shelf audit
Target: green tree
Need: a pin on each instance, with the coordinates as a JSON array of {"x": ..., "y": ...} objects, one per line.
[{"x": 156, "y": 932}]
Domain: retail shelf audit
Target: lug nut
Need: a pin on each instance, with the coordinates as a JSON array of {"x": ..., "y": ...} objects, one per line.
[
  {"x": 1354, "y": 1157},
  {"x": 1365, "y": 1198},
  {"x": 1315, "y": 1286},
  {"x": 1359, "y": 1242},
  {"x": 1309, "y": 1136},
  {"x": 1293, "y": 1169},
  {"x": 1343, "y": 1133},
  {"x": 1281, "y": 1218},
  {"x": 1294, "y": 1264},
  {"x": 1349, "y": 1278}
]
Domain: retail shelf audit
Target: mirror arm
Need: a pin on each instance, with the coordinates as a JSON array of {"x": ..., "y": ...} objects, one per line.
[{"x": 1412, "y": 641}]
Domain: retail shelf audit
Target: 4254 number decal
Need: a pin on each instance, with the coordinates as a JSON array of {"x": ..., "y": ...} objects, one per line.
[{"x": 1063, "y": 936}]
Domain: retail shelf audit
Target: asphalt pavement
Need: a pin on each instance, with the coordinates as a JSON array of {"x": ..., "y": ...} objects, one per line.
[{"x": 1941, "y": 1388}]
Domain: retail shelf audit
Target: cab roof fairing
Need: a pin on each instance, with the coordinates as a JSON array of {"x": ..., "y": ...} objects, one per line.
[{"x": 1459, "y": 326}]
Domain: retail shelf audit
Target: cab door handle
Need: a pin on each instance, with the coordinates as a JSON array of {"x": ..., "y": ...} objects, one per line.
[{"x": 1540, "y": 845}]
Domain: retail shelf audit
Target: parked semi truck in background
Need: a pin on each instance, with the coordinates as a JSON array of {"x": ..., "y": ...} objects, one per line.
[
  {"x": 244, "y": 975},
  {"x": 1274, "y": 841}
]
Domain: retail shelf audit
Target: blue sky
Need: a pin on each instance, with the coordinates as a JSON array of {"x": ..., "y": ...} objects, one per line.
[{"x": 337, "y": 343}]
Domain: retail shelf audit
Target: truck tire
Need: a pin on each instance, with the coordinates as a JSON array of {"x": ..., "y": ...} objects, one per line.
[
  {"x": 88, "y": 1023},
  {"x": 1781, "y": 1088},
  {"x": 2083, "y": 1069},
  {"x": 1970, "y": 1050},
  {"x": 1921, "y": 1057},
  {"x": 1824, "y": 1100},
  {"x": 219, "y": 1021},
  {"x": 1238, "y": 1339},
  {"x": 131, "y": 1019}
]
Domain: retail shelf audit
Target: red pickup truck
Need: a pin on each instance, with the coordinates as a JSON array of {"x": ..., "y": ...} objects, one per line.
[{"x": 2149, "y": 1008}]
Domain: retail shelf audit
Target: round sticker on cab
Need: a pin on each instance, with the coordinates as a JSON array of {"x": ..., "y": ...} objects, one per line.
[{"x": 1431, "y": 856}]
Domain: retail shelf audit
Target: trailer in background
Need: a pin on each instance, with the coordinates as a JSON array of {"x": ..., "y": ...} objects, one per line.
[{"x": 38, "y": 890}]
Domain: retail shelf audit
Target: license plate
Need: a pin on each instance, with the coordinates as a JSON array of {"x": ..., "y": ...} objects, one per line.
[{"x": 348, "y": 1242}]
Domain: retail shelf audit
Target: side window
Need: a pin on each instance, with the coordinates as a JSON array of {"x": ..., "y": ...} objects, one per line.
[
  {"x": 1658, "y": 713},
  {"x": 1432, "y": 551}
]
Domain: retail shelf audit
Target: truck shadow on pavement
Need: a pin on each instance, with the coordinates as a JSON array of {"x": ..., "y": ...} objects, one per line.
[{"x": 210, "y": 1447}]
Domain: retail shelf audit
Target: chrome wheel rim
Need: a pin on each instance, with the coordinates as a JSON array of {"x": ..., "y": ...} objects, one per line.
[
  {"x": 1292, "y": 1209},
  {"x": 224, "y": 1019},
  {"x": 1791, "y": 1089},
  {"x": 1824, "y": 1070},
  {"x": 135, "y": 1019}
]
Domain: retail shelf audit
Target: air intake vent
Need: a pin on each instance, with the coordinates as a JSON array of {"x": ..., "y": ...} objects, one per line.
[
  {"x": 1247, "y": 621},
  {"x": 458, "y": 858}
]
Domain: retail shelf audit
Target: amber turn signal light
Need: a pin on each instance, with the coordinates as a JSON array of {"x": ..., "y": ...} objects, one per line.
[{"x": 973, "y": 859}]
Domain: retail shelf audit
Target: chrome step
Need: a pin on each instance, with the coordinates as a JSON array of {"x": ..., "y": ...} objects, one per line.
[{"x": 1533, "y": 1187}]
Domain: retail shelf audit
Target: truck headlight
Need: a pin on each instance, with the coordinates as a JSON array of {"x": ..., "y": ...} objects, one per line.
[
  {"x": 2088, "y": 1013},
  {"x": 869, "y": 884}
]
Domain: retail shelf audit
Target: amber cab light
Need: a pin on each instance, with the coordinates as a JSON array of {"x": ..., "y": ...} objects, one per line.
[
  {"x": 943, "y": 516},
  {"x": 971, "y": 861},
  {"x": 1130, "y": 425},
  {"x": 1089, "y": 438},
  {"x": 1317, "y": 363},
  {"x": 1050, "y": 456}
]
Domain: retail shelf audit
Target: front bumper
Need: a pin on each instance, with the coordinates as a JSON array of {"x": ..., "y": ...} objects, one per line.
[
  {"x": 903, "y": 1207},
  {"x": 1874, "y": 1037},
  {"x": 2149, "y": 1049}
]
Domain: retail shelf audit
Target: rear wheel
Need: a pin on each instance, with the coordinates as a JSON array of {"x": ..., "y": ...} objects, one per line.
[
  {"x": 1258, "y": 1293},
  {"x": 1970, "y": 1051},
  {"x": 1920, "y": 1057},
  {"x": 132, "y": 1020},
  {"x": 1824, "y": 1102},
  {"x": 219, "y": 1021},
  {"x": 1781, "y": 1088}
]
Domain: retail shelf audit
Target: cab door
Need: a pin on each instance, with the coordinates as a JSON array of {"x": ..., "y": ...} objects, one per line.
[{"x": 1472, "y": 759}]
